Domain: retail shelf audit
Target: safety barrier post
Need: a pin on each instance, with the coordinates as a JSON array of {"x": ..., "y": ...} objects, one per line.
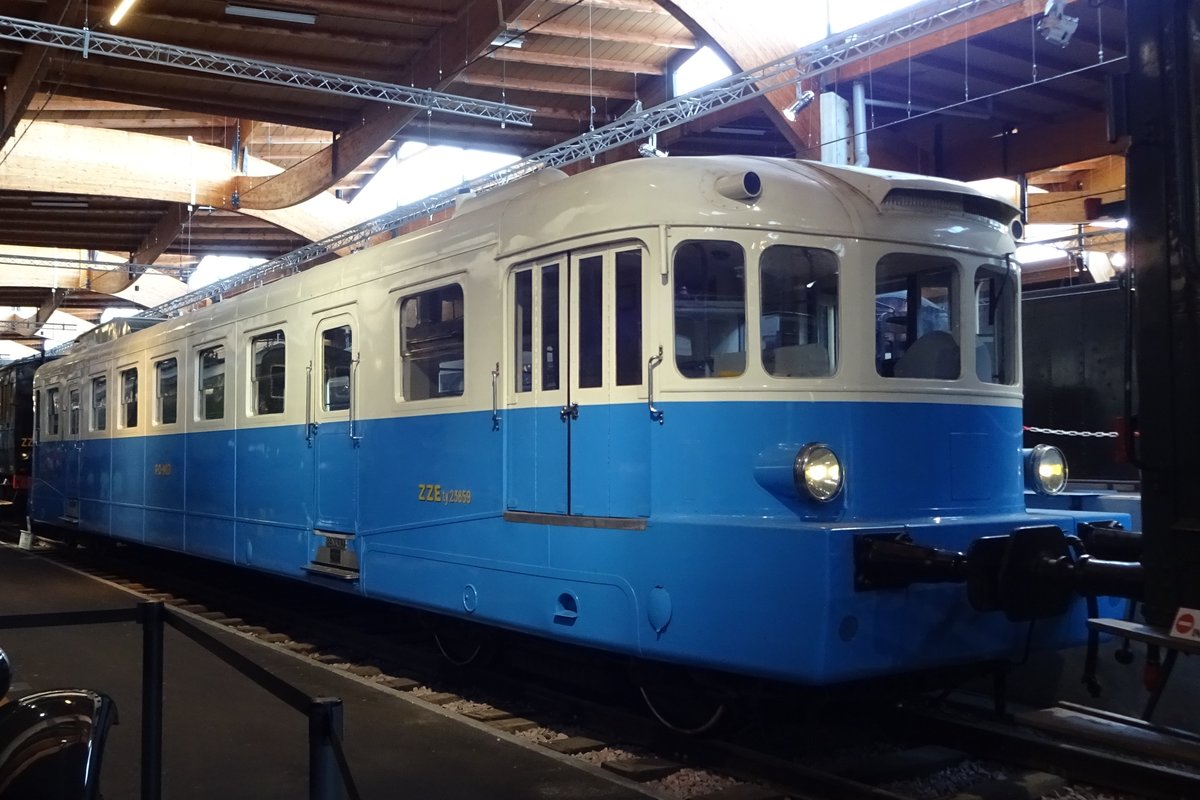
[
  {"x": 324, "y": 724},
  {"x": 151, "y": 615}
]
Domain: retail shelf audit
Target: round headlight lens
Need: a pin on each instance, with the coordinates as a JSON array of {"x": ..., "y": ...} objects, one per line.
[
  {"x": 817, "y": 472},
  {"x": 1048, "y": 468}
]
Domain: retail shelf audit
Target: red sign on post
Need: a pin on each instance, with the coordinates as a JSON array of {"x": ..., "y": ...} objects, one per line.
[{"x": 1185, "y": 624}]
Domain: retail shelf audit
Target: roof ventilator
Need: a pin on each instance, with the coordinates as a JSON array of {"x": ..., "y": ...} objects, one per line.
[{"x": 745, "y": 186}]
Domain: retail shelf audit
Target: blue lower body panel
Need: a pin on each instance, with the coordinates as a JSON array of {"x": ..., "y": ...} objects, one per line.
[{"x": 721, "y": 563}]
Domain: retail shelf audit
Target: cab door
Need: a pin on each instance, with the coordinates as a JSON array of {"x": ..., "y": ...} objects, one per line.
[
  {"x": 536, "y": 388},
  {"x": 577, "y": 425},
  {"x": 332, "y": 428},
  {"x": 609, "y": 420}
]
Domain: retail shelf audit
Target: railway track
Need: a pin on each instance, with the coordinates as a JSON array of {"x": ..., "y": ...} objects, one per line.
[{"x": 911, "y": 752}]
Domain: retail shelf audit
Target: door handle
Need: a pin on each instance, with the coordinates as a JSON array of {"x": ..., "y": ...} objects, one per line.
[
  {"x": 569, "y": 411},
  {"x": 656, "y": 414}
]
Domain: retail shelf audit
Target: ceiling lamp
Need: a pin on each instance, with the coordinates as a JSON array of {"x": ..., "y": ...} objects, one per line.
[
  {"x": 120, "y": 11},
  {"x": 271, "y": 14}
]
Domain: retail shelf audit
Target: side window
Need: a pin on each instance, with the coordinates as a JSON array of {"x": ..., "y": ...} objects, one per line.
[
  {"x": 129, "y": 398},
  {"x": 210, "y": 383},
  {"x": 73, "y": 412},
  {"x": 53, "y": 412},
  {"x": 550, "y": 344},
  {"x": 337, "y": 346},
  {"x": 995, "y": 325},
  {"x": 710, "y": 309},
  {"x": 431, "y": 336},
  {"x": 916, "y": 317},
  {"x": 268, "y": 368},
  {"x": 166, "y": 391},
  {"x": 799, "y": 311},
  {"x": 99, "y": 403}
]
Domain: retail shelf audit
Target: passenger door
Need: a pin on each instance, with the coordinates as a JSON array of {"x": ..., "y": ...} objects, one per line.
[
  {"x": 579, "y": 427},
  {"x": 331, "y": 421},
  {"x": 72, "y": 447}
]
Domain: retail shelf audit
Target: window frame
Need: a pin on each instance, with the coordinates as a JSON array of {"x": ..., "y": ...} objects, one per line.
[
  {"x": 273, "y": 333},
  {"x": 200, "y": 408},
  {"x": 435, "y": 351},
  {"x": 157, "y": 363}
]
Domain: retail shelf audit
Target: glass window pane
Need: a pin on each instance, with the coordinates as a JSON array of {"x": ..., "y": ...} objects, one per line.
[
  {"x": 629, "y": 318},
  {"x": 995, "y": 325},
  {"x": 431, "y": 327},
  {"x": 799, "y": 311},
  {"x": 53, "y": 410},
  {"x": 523, "y": 330},
  {"x": 591, "y": 321},
  {"x": 916, "y": 317},
  {"x": 268, "y": 366},
  {"x": 337, "y": 359},
  {"x": 99, "y": 404},
  {"x": 129, "y": 398},
  {"x": 211, "y": 385},
  {"x": 73, "y": 419},
  {"x": 550, "y": 343},
  {"x": 710, "y": 309},
  {"x": 167, "y": 380}
]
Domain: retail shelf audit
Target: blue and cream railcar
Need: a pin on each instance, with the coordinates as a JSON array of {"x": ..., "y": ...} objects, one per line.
[{"x": 650, "y": 408}]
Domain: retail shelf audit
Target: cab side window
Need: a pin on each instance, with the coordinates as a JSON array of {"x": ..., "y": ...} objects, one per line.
[
  {"x": 53, "y": 411},
  {"x": 710, "y": 309}
]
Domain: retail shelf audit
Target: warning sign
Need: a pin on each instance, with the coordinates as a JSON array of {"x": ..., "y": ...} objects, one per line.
[{"x": 1184, "y": 626}]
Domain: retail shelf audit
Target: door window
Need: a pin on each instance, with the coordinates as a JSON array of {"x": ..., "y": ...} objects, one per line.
[
  {"x": 591, "y": 321},
  {"x": 99, "y": 403},
  {"x": 53, "y": 411},
  {"x": 337, "y": 357},
  {"x": 73, "y": 412},
  {"x": 166, "y": 379},
  {"x": 629, "y": 318},
  {"x": 210, "y": 362},
  {"x": 129, "y": 398}
]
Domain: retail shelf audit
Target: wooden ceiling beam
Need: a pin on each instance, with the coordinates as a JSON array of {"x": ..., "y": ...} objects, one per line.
[
  {"x": 641, "y": 6},
  {"x": 293, "y": 36},
  {"x": 98, "y": 161},
  {"x": 552, "y": 87},
  {"x": 568, "y": 30},
  {"x": 23, "y": 81},
  {"x": 938, "y": 39},
  {"x": 467, "y": 37},
  {"x": 523, "y": 56},
  {"x": 381, "y": 12},
  {"x": 742, "y": 40}
]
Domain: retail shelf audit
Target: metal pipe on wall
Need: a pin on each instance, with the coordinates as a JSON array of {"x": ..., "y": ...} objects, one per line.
[{"x": 861, "y": 159}]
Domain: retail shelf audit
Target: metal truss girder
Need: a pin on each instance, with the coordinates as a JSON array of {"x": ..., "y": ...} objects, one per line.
[
  {"x": 90, "y": 43},
  {"x": 838, "y": 51}
]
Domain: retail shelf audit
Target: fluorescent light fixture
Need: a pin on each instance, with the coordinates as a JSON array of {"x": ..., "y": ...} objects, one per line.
[
  {"x": 515, "y": 40},
  {"x": 119, "y": 13},
  {"x": 58, "y": 203},
  {"x": 270, "y": 13}
]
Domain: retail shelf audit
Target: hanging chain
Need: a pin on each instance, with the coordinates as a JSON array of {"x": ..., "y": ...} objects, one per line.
[{"x": 1084, "y": 434}]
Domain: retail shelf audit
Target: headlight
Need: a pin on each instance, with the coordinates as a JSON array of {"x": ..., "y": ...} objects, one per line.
[
  {"x": 1046, "y": 469},
  {"x": 817, "y": 472}
]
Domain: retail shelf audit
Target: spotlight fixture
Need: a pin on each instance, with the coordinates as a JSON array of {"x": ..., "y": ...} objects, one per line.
[
  {"x": 271, "y": 14},
  {"x": 1055, "y": 26},
  {"x": 803, "y": 100}
]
